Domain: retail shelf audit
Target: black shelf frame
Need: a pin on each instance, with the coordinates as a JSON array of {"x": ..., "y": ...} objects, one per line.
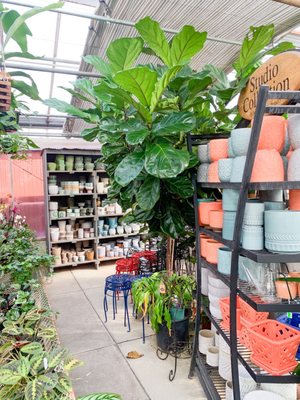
[{"x": 238, "y": 353}]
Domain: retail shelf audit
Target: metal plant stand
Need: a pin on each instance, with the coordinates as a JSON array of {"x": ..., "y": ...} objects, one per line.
[{"x": 213, "y": 384}]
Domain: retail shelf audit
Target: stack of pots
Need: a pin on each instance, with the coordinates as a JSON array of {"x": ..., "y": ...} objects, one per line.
[
  {"x": 253, "y": 231},
  {"x": 216, "y": 290},
  {"x": 209, "y": 155}
]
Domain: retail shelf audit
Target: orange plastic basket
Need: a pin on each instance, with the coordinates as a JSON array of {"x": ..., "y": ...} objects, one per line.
[
  {"x": 274, "y": 346},
  {"x": 248, "y": 313},
  {"x": 225, "y": 310},
  {"x": 244, "y": 334}
]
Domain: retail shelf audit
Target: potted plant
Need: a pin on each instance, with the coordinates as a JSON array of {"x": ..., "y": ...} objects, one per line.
[{"x": 167, "y": 299}]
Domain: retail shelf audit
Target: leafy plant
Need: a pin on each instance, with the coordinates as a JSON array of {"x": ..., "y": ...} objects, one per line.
[
  {"x": 157, "y": 294},
  {"x": 101, "y": 396}
]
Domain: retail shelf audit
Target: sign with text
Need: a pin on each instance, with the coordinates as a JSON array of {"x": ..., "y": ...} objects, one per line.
[{"x": 281, "y": 72}]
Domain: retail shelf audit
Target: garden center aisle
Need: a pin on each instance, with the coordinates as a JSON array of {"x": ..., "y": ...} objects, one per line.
[{"x": 77, "y": 295}]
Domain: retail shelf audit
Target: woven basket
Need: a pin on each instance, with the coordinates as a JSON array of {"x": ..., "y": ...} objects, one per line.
[{"x": 5, "y": 91}]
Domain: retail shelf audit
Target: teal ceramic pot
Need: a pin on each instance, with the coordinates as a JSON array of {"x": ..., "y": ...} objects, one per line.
[
  {"x": 293, "y": 173},
  {"x": 240, "y": 139},
  {"x": 224, "y": 169},
  {"x": 287, "y": 144},
  {"x": 224, "y": 260},
  {"x": 274, "y": 205},
  {"x": 230, "y": 199},
  {"x": 228, "y": 224},
  {"x": 230, "y": 150},
  {"x": 177, "y": 314},
  {"x": 237, "y": 171},
  {"x": 294, "y": 130},
  {"x": 253, "y": 237},
  {"x": 282, "y": 233},
  {"x": 202, "y": 173},
  {"x": 254, "y": 213},
  {"x": 203, "y": 155}
]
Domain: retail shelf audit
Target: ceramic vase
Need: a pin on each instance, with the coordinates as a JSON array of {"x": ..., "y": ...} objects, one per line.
[
  {"x": 272, "y": 133},
  {"x": 237, "y": 171},
  {"x": 240, "y": 139},
  {"x": 253, "y": 237},
  {"x": 254, "y": 213},
  {"x": 224, "y": 169},
  {"x": 218, "y": 148},
  {"x": 203, "y": 155},
  {"x": 230, "y": 199},
  {"x": 268, "y": 167},
  {"x": 224, "y": 260},
  {"x": 294, "y": 130},
  {"x": 202, "y": 173},
  {"x": 228, "y": 224}
]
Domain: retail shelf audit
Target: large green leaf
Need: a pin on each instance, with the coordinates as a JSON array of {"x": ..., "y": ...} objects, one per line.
[
  {"x": 23, "y": 366},
  {"x": 173, "y": 224},
  {"x": 14, "y": 29},
  {"x": 197, "y": 85},
  {"x": 8, "y": 377},
  {"x": 90, "y": 134},
  {"x": 48, "y": 381},
  {"x": 99, "y": 64},
  {"x": 186, "y": 44},
  {"x": 149, "y": 193},
  {"x": 18, "y": 54},
  {"x": 108, "y": 137},
  {"x": 161, "y": 85},
  {"x": 280, "y": 48},
  {"x": 101, "y": 396},
  {"x": 218, "y": 76},
  {"x": 130, "y": 167},
  {"x": 154, "y": 36},
  {"x": 28, "y": 90},
  {"x": 123, "y": 52},
  {"x": 32, "y": 348},
  {"x": 137, "y": 136},
  {"x": 109, "y": 149},
  {"x": 20, "y": 36},
  {"x": 65, "y": 107},
  {"x": 255, "y": 41},
  {"x": 181, "y": 185},
  {"x": 174, "y": 122},
  {"x": 85, "y": 85},
  {"x": 164, "y": 161},
  {"x": 139, "y": 81},
  {"x": 33, "y": 390},
  {"x": 56, "y": 356}
]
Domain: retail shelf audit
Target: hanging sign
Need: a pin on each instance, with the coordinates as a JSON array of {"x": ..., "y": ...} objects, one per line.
[{"x": 281, "y": 72}]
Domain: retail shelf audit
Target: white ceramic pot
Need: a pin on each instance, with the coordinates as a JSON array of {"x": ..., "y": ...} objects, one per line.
[
  {"x": 118, "y": 209},
  {"x": 68, "y": 228},
  {"x": 206, "y": 340},
  {"x": 212, "y": 356},
  {"x": 112, "y": 231},
  {"x": 218, "y": 292},
  {"x": 62, "y": 225},
  {"x": 263, "y": 395},
  {"x": 100, "y": 187},
  {"x": 54, "y": 214},
  {"x": 224, "y": 365},
  {"x": 216, "y": 283},
  {"x": 86, "y": 225},
  {"x": 205, "y": 274},
  {"x": 287, "y": 391},
  {"x": 53, "y": 189},
  {"x": 54, "y": 235},
  {"x": 229, "y": 390},
  {"x": 128, "y": 229},
  {"x": 101, "y": 251},
  {"x": 215, "y": 311},
  {"x": 120, "y": 229},
  {"x": 53, "y": 205},
  {"x": 105, "y": 181},
  {"x": 75, "y": 258},
  {"x": 247, "y": 384}
]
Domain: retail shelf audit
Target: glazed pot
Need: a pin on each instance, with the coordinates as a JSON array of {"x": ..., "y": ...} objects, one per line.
[
  {"x": 294, "y": 199},
  {"x": 53, "y": 189},
  {"x": 89, "y": 254},
  {"x": 62, "y": 225},
  {"x": 272, "y": 133},
  {"x": 100, "y": 187},
  {"x": 253, "y": 237},
  {"x": 288, "y": 392},
  {"x": 228, "y": 224},
  {"x": 206, "y": 340},
  {"x": 240, "y": 139},
  {"x": 51, "y": 166},
  {"x": 294, "y": 130},
  {"x": 212, "y": 251},
  {"x": 225, "y": 366},
  {"x": 237, "y": 171},
  {"x": 275, "y": 205},
  {"x": 286, "y": 290},
  {"x": 204, "y": 207},
  {"x": 203, "y": 155},
  {"x": 54, "y": 233},
  {"x": 282, "y": 231},
  {"x": 254, "y": 213},
  {"x": 268, "y": 167},
  {"x": 216, "y": 219},
  {"x": 202, "y": 173},
  {"x": 247, "y": 383},
  {"x": 224, "y": 260},
  {"x": 224, "y": 169},
  {"x": 294, "y": 166},
  {"x": 213, "y": 174},
  {"x": 218, "y": 148},
  {"x": 212, "y": 356},
  {"x": 230, "y": 199}
]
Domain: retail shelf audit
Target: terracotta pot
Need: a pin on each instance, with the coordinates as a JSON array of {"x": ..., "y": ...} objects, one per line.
[
  {"x": 202, "y": 201},
  {"x": 283, "y": 292},
  {"x": 272, "y": 133},
  {"x": 268, "y": 167},
  {"x": 213, "y": 172},
  {"x": 212, "y": 247},
  {"x": 218, "y": 148},
  {"x": 203, "y": 242},
  {"x": 205, "y": 208},
  {"x": 216, "y": 219},
  {"x": 294, "y": 201},
  {"x": 89, "y": 254}
]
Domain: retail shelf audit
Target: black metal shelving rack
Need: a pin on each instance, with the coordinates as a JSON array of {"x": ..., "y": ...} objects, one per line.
[{"x": 213, "y": 384}]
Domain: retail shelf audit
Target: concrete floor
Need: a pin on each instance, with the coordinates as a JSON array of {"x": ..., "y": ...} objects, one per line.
[{"x": 77, "y": 295}]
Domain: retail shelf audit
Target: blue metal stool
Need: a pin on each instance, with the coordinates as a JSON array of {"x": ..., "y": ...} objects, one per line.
[{"x": 116, "y": 285}]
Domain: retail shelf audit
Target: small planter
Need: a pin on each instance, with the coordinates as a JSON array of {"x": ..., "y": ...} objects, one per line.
[
  {"x": 212, "y": 247},
  {"x": 202, "y": 173},
  {"x": 218, "y": 148},
  {"x": 204, "y": 207},
  {"x": 230, "y": 199},
  {"x": 203, "y": 155},
  {"x": 294, "y": 200},
  {"x": 224, "y": 169},
  {"x": 240, "y": 139},
  {"x": 272, "y": 133},
  {"x": 213, "y": 172},
  {"x": 268, "y": 167},
  {"x": 293, "y": 167},
  {"x": 179, "y": 333},
  {"x": 238, "y": 166},
  {"x": 216, "y": 219}
]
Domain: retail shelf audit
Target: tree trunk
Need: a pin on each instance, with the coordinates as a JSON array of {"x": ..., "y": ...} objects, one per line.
[{"x": 170, "y": 255}]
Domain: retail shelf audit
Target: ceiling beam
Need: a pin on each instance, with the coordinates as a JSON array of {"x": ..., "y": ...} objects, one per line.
[{"x": 116, "y": 21}]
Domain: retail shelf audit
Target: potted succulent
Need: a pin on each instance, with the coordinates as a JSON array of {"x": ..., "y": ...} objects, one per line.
[{"x": 167, "y": 299}]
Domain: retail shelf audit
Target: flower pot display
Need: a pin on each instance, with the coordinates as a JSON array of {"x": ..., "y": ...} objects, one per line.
[
  {"x": 294, "y": 131},
  {"x": 51, "y": 166},
  {"x": 213, "y": 174},
  {"x": 216, "y": 219},
  {"x": 268, "y": 167},
  {"x": 53, "y": 189},
  {"x": 240, "y": 139},
  {"x": 274, "y": 346},
  {"x": 218, "y": 148},
  {"x": 254, "y": 213},
  {"x": 294, "y": 200},
  {"x": 224, "y": 169},
  {"x": 230, "y": 199},
  {"x": 286, "y": 290},
  {"x": 253, "y": 237},
  {"x": 237, "y": 171},
  {"x": 212, "y": 251},
  {"x": 293, "y": 173},
  {"x": 202, "y": 174},
  {"x": 224, "y": 260},
  {"x": 204, "y": 207},
  {"x": 228, "y": 224},
  {"x": 282, "y": 231},
  {"x": 203, "y": 155}
]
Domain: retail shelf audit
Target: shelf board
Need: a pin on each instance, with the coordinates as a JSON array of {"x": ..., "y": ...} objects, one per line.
[
  {"x": 267, "y": 304},
  {"x": 213, "y": 385},
  {"x": 259, "y": 375},
  {"x": 252, "y": 185},
  {"x": 70, "y": 195},
  {"x": 72, "y": 240},
  {"x": 118, "y": 236},
  {"x": 215, "y": 235},
  {"x": 75, "y": 264},
  {"x": 81, "y": 217},
  {"x": 110, "y": 215}
]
